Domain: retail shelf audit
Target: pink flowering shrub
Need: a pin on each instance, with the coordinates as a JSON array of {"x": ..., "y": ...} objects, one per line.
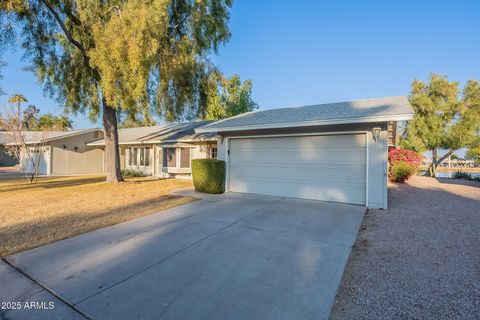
[{"x": 403, "y": 164}]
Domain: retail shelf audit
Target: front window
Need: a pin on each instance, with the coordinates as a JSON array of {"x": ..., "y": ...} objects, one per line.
[
  {"x": 169, "y": 157},
  {"x": 142, "y": 156},
  {"x": 213, "y": 153},
  {"x": 184, "y": 157},
  {"x": 135, "y": 156},
  {"x": 130, "y": 156},
  {"x": 147, "y": 157}
]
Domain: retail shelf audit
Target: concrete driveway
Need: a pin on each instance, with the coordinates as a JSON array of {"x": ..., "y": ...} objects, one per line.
[{"x": 233, "y": 256}]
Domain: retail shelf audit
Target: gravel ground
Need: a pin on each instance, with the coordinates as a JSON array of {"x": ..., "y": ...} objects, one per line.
[{"x": 418, "y": 260}]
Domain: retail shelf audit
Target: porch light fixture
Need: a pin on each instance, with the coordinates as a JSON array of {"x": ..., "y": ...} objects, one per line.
[{"x": 376, "y": 133}]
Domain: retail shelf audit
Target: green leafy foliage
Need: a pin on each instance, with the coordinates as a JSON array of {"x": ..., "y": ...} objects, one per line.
[
  {"x": 131, "y": 120},
  {"x": 400, "y": 172},
  {"x": 136, "y": 56},
  {"x": 126, "y": 52},
  {"x": 208, "y": 175},
  {"x": 129, "y": 173},
  {"x": 32, "y": 121},
  {"x": 57, "y": 123},
  {"x": 30, "y": 118},
  {"x": 227, "y": 97},
  {"x": 473, "y": 154},
  {"x": 444, "y": 118}
]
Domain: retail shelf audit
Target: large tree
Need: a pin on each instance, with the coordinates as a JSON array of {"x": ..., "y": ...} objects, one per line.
[
  {"x": 227, "y": 97},
  {"x": 129, "y": 55},
  {"x": 444, "y": 118}
]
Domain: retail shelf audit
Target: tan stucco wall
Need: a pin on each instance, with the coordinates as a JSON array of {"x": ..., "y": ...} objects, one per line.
[
  {"x": 84, "y": 159},
  {"x": 201, "y": 150}
]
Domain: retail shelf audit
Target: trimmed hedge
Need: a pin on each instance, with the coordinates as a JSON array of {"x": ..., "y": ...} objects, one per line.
[
  {"x": 129, "y": 173},
  {"x": 208, "y": 175},
  {"x": 400, "y": 171}
]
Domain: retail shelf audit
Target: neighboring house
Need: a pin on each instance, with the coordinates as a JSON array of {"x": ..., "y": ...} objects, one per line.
[
  {"x": 61, "y": 152},
  {"x": 331, "y": 152},
  {"x": 6, "y": 160},
  {"x": 163, "y": 151}
]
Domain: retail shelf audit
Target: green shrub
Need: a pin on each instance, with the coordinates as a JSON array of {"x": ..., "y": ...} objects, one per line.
[
  {"x": 208, "y": 175},
  {"x": 462, "y": 175},
  {"x": 400, "y": 171},
  {"x": 129, "y": 173}
]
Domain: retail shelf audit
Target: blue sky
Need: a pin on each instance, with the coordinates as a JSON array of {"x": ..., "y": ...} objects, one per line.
[{"x": 307, "y": 52}]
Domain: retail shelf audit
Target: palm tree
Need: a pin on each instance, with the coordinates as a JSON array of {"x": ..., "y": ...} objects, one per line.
[{"x": 17, "y": 99}]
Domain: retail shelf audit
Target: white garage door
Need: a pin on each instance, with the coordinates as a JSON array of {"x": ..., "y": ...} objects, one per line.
[{"x": 324, "y": 167}]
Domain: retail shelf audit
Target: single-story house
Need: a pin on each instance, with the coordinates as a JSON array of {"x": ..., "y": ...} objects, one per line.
[
  {"x": 165, "y": 150},
  {"x": 332, "y": 152},
  {"x": 162, "y": 151},
  {"x": 60, "y": 152}
]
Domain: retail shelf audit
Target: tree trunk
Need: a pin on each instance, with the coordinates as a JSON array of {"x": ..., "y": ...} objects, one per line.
[
  {"x": 432, "y": 170},
  {"x": 112, "y": 152},
  {"x": 433, "y": 166}
]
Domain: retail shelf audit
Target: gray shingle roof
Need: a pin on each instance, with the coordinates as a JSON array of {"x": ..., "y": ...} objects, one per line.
[
  {"x": 369, "y": 110},
  {"x": 156, "y": 134},
  {"x": 36, "y": 136}
]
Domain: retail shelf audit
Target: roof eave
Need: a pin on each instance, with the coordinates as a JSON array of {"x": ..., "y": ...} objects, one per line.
[
  {"x": 154, "y": 141},
  {"x": 72, "y": 134},
  {"x": 399, "y": 117}
]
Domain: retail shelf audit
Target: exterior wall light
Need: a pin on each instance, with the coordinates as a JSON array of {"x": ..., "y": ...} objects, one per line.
[{"x": 376, "y": 133}]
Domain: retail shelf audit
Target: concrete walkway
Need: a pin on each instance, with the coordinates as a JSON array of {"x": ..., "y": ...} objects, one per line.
[
  {"x": 18, "y": 292},
  {"x": 226, "y": 257}
]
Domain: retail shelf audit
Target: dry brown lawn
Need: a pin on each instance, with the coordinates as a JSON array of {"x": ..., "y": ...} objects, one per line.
[{"x": 57, "y": 208}]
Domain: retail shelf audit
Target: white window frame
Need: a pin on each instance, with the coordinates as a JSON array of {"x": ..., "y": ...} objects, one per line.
[
  {"x": 211, "y": 152},
  {"x": 135, "y": 162}
]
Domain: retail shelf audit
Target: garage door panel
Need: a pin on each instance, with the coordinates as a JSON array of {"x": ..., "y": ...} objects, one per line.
[
  {"x": 328, "y": 167},
  {"x": 325, "y": 156},
  {"x": 304, "y": 190},
  {"x": 325, "y": 141},
  {"x": 354, "y": 174}
]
